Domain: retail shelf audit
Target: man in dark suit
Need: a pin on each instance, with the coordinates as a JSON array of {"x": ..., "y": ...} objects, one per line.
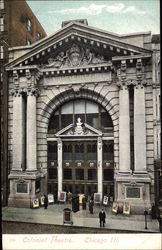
[
  {"x": 45, "y": 201},
  {"x": 102, "y": 217}
]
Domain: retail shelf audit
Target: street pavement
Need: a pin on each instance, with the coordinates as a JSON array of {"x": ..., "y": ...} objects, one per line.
[{"x": 54, "y": 216}]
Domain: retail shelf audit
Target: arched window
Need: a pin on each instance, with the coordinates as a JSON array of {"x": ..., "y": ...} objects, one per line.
[{"x": 90, "y": 112}]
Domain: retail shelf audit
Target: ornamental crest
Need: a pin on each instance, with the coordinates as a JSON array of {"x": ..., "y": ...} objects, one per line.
[{"x": 75, "y": 55}]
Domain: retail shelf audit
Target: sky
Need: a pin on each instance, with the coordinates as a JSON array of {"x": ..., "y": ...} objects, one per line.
[{"x": 121, "y": 17}]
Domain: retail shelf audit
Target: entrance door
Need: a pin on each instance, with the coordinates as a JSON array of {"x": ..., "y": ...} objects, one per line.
[{"x": 80, "y": 167}]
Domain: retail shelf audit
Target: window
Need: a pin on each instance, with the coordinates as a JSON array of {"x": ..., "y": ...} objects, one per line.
[
  {"x": 79, "y": 152},
  {"x": 52, "y": 173},
  {"x": 28, "y": 42},
  {"x": 106, "y": 121},
  {"x": 1, "y": 52},
  {"x": 92, "y": 114},
  {"x": 79, "y": 110},
  {"x": 92, "y": 152},
  {"x": 79, "y": 174},
  {"x": 54, "y": 123},
  {"x": 67, "y": 152},
  {"x": 89, "y": 112},
  {"x": 29, "y": 25},
  {"x": 1, "y": 4},
  {"x": 38, "y": 36},
  {"x": 92, "y": 174},
  {"x": 1, "y": 24},
  {"x": 66, "y": 114},
  {"x": 108, "y": 174},
  {"x": 52, "y": 152},
  {"x": 67, "y": 174},
  {"x": 108, "y": 151}
]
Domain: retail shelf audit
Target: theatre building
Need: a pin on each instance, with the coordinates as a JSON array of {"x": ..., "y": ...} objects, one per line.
[{"x": 80, "y": 116}]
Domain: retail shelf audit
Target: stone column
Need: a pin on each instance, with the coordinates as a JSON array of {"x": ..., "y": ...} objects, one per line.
[
  {"x": 124, "y": 130},
  {"x": 59, "y": 151},
  {"x": 17, "y": 131},
  {"x": 139, "y": 129},
  {"x": 99, "y": 163},
  {"x": 31, "y": 131}
]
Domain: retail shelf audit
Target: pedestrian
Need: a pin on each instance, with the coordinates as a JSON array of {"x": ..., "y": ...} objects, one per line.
[
  {"x": 102, "y": 217},
  {"x": 69, "y": 196},
  {"x": 91, "y": 203},
  {"x": 84, "y": 202},
  {"x": 45, "y": 201}
]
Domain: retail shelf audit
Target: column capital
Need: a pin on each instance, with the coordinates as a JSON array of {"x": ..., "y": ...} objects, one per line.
[
  {"x": 139, "y": 84},
  {"x": 17, "y": 92},
  {"x": 33, "y": 91}
]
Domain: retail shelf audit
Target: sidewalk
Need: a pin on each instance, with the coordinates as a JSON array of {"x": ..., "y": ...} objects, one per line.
[{"x": 54, "y": 215}]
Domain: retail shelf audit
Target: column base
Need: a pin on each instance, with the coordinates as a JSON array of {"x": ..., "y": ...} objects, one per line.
[
  {"x": 133, "y": 189},
  {"x": 140, "y": 172},
  {"x": 126, "y": 172},
  {"x": 24, "y": 187},
  {"x": 135, "y": 207}
]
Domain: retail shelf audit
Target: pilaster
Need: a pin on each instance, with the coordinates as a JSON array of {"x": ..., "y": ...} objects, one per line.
[
  {"x": 31, "y": 130},
  {"x": 18, "y": 156},
  {"x": 59, "y": 150},
  {"x": 139, "y": 121},
  {"x": 124, "y": 122},
  {"x": 99, "y": 158}
]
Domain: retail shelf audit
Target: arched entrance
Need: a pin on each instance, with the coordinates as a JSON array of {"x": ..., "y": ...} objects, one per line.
[{"x": 80, "y": 154}]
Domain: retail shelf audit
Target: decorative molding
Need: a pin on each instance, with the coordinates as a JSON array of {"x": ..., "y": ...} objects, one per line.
[
  {"x": 33, "y": 92},
  {"x": 59, "y": 141},
  {"x": 122, "y": 75},
  {"x": 99, "y": 143},
  {"x": 16, "y": 78},
  {"x": 17, "y": 91},
  {"x": 75, "y": 56}
]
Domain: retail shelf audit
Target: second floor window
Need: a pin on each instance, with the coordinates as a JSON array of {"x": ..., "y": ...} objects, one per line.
[
  {"x": 1, "y": 52},
  {"x": 1, "y": 24},
  {"x": 29, "y": 25},
  {"x": 28, "y": 42},
  {"x": 38, "y": 36},
  {"x": 1, "y": 4}
]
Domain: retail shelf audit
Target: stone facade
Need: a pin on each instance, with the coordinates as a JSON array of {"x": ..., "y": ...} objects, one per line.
[{"x": 80, "y": 62}]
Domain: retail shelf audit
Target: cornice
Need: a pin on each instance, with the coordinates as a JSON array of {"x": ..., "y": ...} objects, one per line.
[{"x": 82, "y": 33}]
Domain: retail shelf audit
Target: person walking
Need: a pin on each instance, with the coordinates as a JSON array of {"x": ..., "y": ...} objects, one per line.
[
  {"x": 91, "y": 203},
  {"x": 45, "y": 201},
  {"x": 69, "y": 197},
  {"x": 84, "y": 202},
  {"x": 102, "y": 217}
]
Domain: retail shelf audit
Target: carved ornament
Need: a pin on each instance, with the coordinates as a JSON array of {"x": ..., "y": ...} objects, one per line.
[{"x": 75, "y": 56}]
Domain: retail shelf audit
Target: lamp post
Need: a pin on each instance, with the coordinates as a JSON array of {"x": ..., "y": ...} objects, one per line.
[{"x": 145, "y": 213}]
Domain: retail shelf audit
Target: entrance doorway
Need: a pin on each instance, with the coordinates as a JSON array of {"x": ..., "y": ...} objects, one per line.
[{"x": 80, "y": 167}]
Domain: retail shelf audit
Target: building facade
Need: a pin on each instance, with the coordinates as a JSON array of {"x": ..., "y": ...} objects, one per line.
[
  {"x": 18, "y": 27},
  {"x": 80, "y": 116}
]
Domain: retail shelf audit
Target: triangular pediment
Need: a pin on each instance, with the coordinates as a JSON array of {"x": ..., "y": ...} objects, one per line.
[
  {"x": 80, "y": 130},
  {"x": 76, "y": 45}
]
